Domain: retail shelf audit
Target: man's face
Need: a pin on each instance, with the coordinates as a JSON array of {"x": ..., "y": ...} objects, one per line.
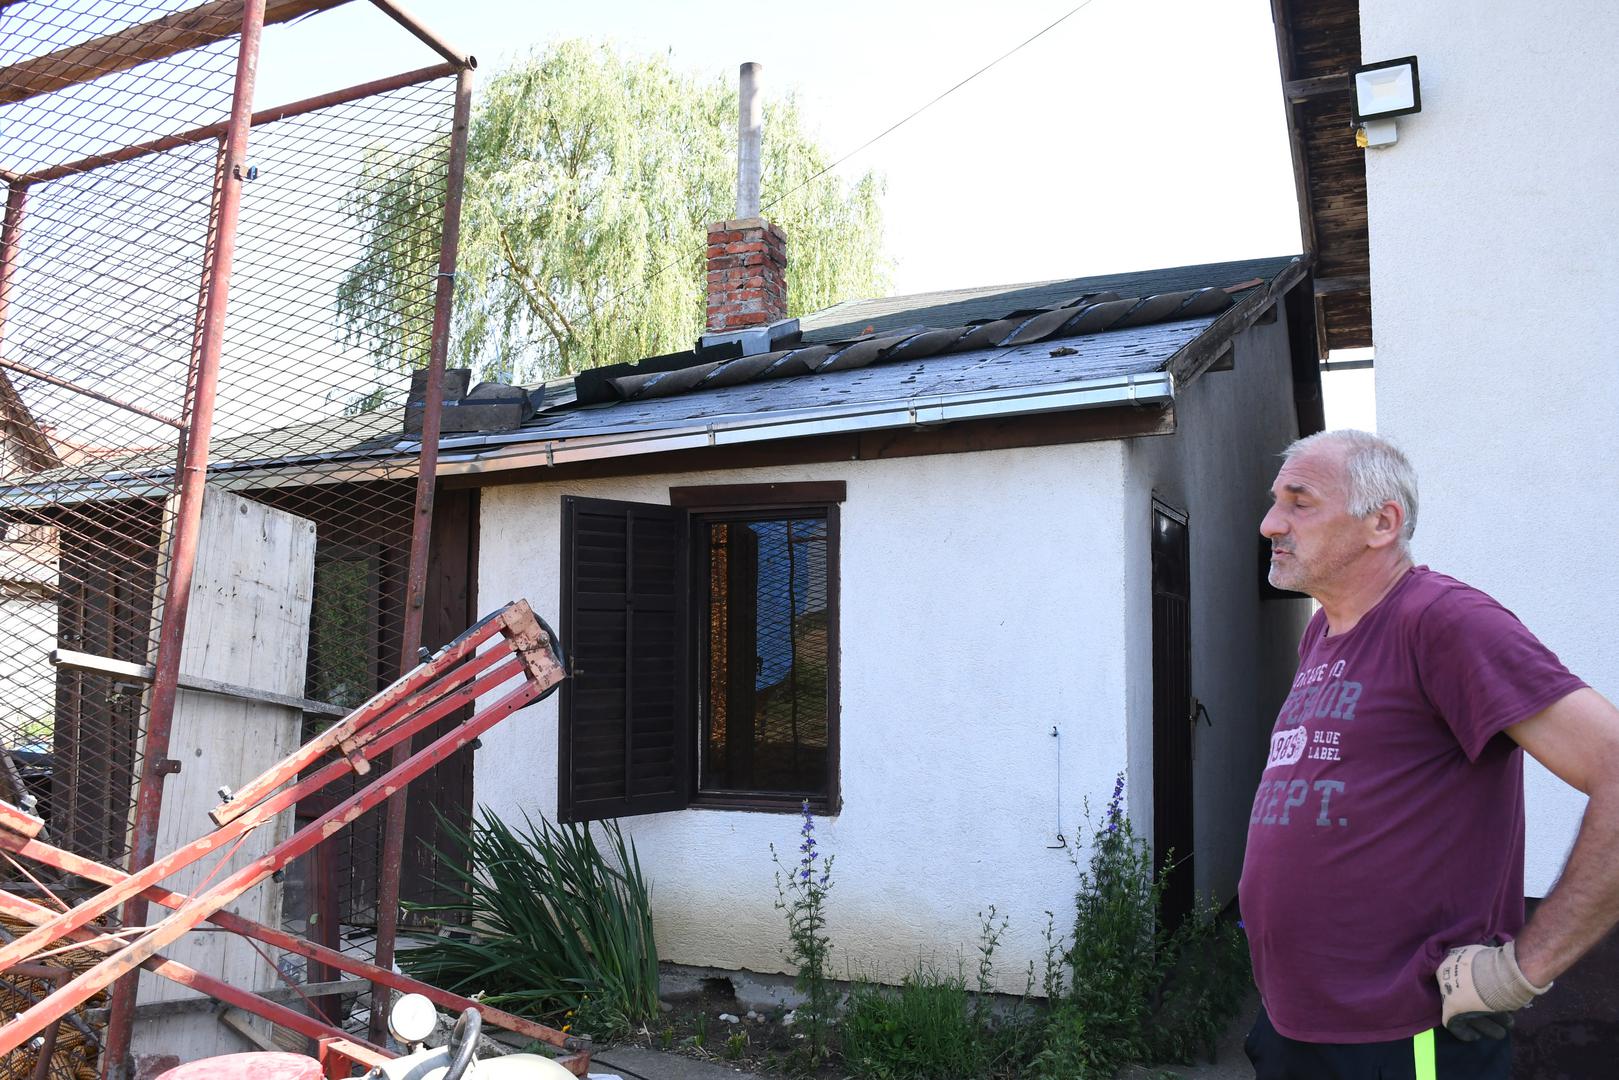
[{"x": 1313, "y": 538}]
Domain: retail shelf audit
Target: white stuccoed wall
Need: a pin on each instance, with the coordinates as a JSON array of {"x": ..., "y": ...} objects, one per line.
[
  {"x": 981, "y": 603},
  {"x": 1494, "y": 290},
  {"x": 1217, "y": 468}
]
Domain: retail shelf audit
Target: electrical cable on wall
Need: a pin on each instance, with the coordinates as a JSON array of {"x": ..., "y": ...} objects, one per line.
[{"x": 1062, "y": 841}]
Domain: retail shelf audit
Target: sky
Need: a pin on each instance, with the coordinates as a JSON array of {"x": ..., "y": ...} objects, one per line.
[{"x": 1133, "y": 134}]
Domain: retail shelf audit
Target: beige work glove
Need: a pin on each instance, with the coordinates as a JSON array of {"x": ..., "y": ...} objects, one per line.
[{"x": 1482, "y": 986}]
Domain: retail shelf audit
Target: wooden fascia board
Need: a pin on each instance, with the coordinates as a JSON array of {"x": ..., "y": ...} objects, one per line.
[
  {"x": 1299, "y": 90},
  {"x": 1197, "y": 355},
  {"x": 1295, "y": 134},
  {"x": 136, "y": 45}
]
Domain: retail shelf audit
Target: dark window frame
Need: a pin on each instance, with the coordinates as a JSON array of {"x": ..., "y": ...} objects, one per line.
[
  {"x": 685, "y": 507},
  {"x": 750, "y": 501}
]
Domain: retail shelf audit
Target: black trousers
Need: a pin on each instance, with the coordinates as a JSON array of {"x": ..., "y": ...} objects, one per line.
[{"x": 1276, "y": 1057}]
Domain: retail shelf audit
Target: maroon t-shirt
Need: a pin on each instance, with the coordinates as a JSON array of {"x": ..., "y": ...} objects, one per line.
[{"x": 1388, "y": 826}]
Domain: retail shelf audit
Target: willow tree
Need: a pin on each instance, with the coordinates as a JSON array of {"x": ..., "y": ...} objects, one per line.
[{"x": 591, "y": 180}]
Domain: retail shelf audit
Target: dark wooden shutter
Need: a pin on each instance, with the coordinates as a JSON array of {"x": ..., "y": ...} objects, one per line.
[{"x": 625, "y": 731}]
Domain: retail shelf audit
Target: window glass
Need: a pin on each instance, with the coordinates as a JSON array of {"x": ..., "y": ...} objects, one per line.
[{"x": 764, "y": 646}]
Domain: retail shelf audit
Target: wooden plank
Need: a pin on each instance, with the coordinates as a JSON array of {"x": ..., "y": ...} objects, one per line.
[
  {"x": 1298, "y": 90},
  {"x": 143, "y": 673},
  {"x": 129, "y": 48},
  {"x": 1346, "y": 283},
  {"x": 1201, "y": 352},
  {"x": 1295, "y": 135},
  {"x": 248, "y": 626}
]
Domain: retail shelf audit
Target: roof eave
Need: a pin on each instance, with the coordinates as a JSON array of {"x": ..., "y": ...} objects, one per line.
[
  {"x": 501, "y": 453},
  {"x": 1196, "y": 356}
]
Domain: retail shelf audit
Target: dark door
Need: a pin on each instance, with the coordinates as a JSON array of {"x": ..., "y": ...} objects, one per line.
[{"x": 1172, "y": 711}]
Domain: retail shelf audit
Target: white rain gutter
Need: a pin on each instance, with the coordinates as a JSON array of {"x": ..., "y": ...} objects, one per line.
[{"x": 473, "y": 455}]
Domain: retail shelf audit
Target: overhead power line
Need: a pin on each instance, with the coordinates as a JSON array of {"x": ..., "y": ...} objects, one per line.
[
  {"x": 1037, "y": 35},
  {"x": 924, "y": 108}
]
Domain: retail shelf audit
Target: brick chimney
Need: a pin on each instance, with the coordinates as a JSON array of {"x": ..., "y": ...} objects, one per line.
[
  {"x": 747, "y": 275},
  {"x": 747, "y": 256}
]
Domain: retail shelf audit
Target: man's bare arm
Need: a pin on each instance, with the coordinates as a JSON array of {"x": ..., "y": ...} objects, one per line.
[{"x": 1577, "y": 738}]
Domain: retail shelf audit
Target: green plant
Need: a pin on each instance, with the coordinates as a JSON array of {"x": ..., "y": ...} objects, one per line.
[
  {"x": 734, "y": 1046},
  {"x": 559, "y": 924},
  {"x": 1136, "y": 992},
  {"x": 666, "y": 1037},
  {"x": 1205, "y": 989},
  {"x": 932, "y": 1025},
  {"x": 801, "y": 892},
  {"x": 923, "y": 1028}
]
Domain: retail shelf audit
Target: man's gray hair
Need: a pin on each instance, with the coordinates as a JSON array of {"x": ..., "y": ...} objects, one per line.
[{"x": 1378, "y": 472}]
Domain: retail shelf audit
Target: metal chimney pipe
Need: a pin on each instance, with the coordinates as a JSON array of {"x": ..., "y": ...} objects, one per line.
[{"x": 750, "y": 136}]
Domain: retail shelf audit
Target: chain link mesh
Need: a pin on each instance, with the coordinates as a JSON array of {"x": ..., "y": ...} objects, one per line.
[{"x": 331, "y": 309}]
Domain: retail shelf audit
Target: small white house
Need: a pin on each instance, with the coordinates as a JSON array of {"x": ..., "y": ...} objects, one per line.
[{"x": 941, "y": 565}]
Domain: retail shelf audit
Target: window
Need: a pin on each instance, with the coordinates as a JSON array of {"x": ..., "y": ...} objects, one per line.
[{"x": 702, "y": 645}]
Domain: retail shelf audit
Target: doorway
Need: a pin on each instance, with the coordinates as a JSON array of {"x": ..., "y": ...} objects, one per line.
[{"x": 1172, "y": 711}]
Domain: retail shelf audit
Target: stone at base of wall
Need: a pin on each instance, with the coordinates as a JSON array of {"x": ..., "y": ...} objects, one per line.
[
  {"x": 763, "y": 991},
  {"x": 1572, "y": 1031}
]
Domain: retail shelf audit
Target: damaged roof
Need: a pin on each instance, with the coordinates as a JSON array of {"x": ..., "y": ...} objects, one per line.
[{"x": 890, "y": 362}]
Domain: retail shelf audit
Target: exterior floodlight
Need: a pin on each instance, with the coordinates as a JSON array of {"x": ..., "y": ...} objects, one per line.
[
  {"x": 412, "y": 1019},
  {"x": 1387, "y": 89}
]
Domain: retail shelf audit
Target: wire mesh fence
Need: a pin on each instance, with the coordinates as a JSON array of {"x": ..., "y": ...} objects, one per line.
[{"x": 111, "y": 152}]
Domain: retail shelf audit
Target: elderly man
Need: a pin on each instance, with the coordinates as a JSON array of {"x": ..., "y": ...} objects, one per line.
[{"x": 1383, "y": 885}]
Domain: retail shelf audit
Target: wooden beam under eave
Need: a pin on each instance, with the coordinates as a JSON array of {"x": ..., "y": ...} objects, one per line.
[
  {"x": 1348, "y": 283},
  {"x": 136, "y": 45},
  {"x": 1298, "y": 90},
  {"x": 1287, "y": 62}
]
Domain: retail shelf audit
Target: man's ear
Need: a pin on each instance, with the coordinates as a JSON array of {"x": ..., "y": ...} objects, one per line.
[{"x": 1388, "y": 524}]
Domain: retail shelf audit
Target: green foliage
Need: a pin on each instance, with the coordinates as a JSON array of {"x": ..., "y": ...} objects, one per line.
[
  {"x": 591, "y": 180},
  {"x": 801, "y": 892},
  {"x": 932, "y": 1026},
  {"x": 384, "y": 303},
  {"x": 923, "y": 1029},
  {"x": 560, "y": 924},
  {"x": 1137, "y": 992},
  {"x": 1205, "y": 989}
]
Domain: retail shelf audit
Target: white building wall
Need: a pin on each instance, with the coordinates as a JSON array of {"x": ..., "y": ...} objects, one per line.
[
  {"x": 981, "y": 604},
  {"x": 1494, "y": 286},
  {"x": 1217, "y": 468}
]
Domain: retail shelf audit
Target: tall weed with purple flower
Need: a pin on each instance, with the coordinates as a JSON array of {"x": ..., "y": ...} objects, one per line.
[{"x": 801, "y": 892}]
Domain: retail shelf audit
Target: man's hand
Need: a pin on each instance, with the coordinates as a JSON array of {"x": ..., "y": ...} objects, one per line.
[{"x": 1482, "y": 987}]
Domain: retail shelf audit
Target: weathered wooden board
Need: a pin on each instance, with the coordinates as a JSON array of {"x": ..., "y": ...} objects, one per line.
[{"x": 248, "y": 625}]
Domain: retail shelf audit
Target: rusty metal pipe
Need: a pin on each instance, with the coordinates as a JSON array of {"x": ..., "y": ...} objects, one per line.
[
  {"x": 199, "y": 907},
  {"x": 410, "y": 22},
  {"x": 10, "y": 229},
  {"x": 132, "y": 885},
  {"x": 45, "y": 376},
  {"x": 183, "y": 544},
  {"x": 177, "y": 972},
  {"x": 393, "y": 834},
  {"x": 263, "y": 116}
]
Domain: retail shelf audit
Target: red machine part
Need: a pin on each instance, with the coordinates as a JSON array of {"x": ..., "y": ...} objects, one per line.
[{"x": 259, "y": 1066}]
